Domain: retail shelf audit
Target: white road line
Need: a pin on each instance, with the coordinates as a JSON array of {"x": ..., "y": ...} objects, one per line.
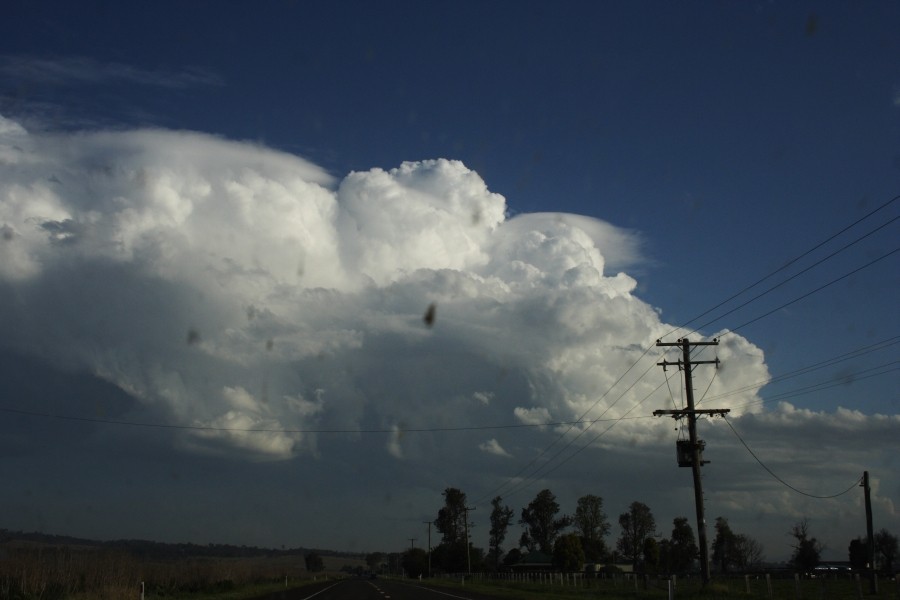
[
  {"x": 441, "y": 593},
  {"x": 320, "y": 591}
]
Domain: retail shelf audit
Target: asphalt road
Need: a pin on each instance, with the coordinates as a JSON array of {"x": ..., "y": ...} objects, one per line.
[{"x": 373, "y": 589}]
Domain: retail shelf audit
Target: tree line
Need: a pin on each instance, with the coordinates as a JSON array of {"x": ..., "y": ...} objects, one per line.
[{"x": 569, "y": 541}]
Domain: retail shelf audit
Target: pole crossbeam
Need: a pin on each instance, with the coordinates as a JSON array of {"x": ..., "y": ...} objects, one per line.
[
  {"x": 677, "y": 414},
  {"x": 686, "y": 365}
]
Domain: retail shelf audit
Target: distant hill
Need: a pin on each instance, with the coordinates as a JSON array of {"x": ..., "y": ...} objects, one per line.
[{"x": 162, "y": 551}]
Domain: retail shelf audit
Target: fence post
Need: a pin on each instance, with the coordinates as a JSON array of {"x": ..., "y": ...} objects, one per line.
[
  {"x": 797, "y": 585},
  {"x": 769, "y": 584},
  {"x": 672, "y": 589}
]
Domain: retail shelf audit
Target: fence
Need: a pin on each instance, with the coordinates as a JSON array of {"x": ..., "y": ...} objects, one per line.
[{"x": 762, "y": 586}]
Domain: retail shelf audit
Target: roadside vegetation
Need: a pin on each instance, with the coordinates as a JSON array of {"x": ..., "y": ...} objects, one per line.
[{"x": 47, "y": 572}]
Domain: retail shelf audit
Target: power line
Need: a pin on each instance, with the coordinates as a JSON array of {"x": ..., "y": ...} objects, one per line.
[
  {"x": 818, "y": 289},
  {"x": 853, "y": 376},
  {"x": 64, "y": 417},
  {"x": 795, "y": 275},
  {"x": 520, "y": 486},
  {"x": 779, "y": 479},
  {"x": 498, "y": 489},
  {"x": 828, "y": 362},
  {"x": 786, "y": 265}
]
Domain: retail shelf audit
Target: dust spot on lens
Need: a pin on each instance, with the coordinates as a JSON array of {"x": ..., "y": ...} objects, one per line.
[
  {"x": 430, "y": 314},
  {"x": 193, "y": 336}
]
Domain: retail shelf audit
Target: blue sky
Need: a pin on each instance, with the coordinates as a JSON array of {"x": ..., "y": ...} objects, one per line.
[{"x": 714, "y": 143}]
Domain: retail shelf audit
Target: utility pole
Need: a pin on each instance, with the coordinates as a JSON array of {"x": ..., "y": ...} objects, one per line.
[
  {"x": 429, "y": 547},
  {"x": 870, "y": 537},
  {"x": 695, "y": 447},
  {"x": 466, "y": 523},
  {"x": 411, "y": 543}
]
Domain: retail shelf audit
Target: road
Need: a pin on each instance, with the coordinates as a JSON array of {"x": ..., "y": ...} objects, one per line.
[{"x": 373, "y": 589}]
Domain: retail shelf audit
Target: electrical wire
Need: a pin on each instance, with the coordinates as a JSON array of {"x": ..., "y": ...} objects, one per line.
[
  {"x": 786, "y": 265},
  {"x": 779, "y": 479},
  {"x": 63, "y": 417},
  {"x": 794, "y": 276},
  {"x": 818, "y": 289},
  {"x": 828, "y": 362}
]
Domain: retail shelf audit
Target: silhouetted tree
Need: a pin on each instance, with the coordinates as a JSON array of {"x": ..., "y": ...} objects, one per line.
[
  {"x": 450, "y": 554},
  {"x": 637, "y": 525},
  {"x": 314, "y": 562},
  {"x": 857, "y": 553},
  {"x": 415, "y": 562},
  {"x": 886, "y": 547},
  {"x": 747, "y": 552},
  {"x": 375, "y": 560},
  {"x": 512, "y": 557},
  {"x": 541, "y": 525},
  {"x": 682, "y": 550},
  {"x": 807, "y": 550},
  {"x": 651, "y": 555},
  {"x": 501, "y": 517},
  {"x": 568, "y": 554},
  {"x": 723, "y": 545},
  {"x": 592, "y": 526},
  {"x": 451, "y": 518}
]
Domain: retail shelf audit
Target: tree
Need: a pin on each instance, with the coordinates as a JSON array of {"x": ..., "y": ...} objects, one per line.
[
  {"x": 886, "y": 546},
  {"x": 314, "y": 562},
  {"x": 568, "y": 555},
  {"x": 747, "y": 552},
  {"x": 541, "y": 525},
  {"x": 592, "y": 526},
  {"x": 651, "y": 555},
  {"x": 807, "y": 549},
  {"x": 501, "y": 517},
  {"x": 450, "y": 554},
  {"x": 415, "y": 562},
  {"x": 857, "y": 553},
  {"x": 682, "y": 550},
  {"x": 451, "y": 519},
  {"x": 723, "y": 545},
  {"x": 512, "y": 557},
  {"x": 735, "y": 550},
  {"x": 637, "y": 525}
]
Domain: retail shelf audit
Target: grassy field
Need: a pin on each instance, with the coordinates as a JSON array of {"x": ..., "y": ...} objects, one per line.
[
  {"x": 64, "y": 573},
  {"x": 732, "y": 588}
]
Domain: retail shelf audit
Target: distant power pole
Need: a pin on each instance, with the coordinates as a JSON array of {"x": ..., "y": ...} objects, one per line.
[
  {"x": 412, "y": 542},
  {"x": 694, "y": 459},
  {"x": 870, "y": 537},
  {"x": 466, "y": 523},
  {"x": 429, "y": 547}
]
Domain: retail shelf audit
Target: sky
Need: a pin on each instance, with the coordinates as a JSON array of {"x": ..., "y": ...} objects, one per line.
[{"x": 223, "y": 227}]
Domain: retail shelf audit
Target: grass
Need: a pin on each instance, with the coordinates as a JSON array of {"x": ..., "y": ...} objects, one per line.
[{"x": 723, "y": 589}]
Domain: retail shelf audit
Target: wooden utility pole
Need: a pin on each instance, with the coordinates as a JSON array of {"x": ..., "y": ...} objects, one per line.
[
  {"x": 412, "y": 542},
  {"x": 429, "y": 547},
  {"x": 870, "y": 537},
  {"x": 466, "y": 523},
  {"x": 696, "y": 446}
]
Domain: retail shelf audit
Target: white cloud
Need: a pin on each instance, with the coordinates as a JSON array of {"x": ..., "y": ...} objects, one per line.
[
  {"x": 492, "y": 446},
  {"x": 223, "y": 283},
  {"x": 537, "y": 415},
  {"x": 483, "y": 397}
]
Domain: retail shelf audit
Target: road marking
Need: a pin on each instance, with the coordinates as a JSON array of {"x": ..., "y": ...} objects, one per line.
[
  {"x": 320, "y": 591},
  {"x": 421, "y": 587}
]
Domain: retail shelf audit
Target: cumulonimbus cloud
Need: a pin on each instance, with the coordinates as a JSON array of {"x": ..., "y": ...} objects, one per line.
[{"x": 237, "y": 288}]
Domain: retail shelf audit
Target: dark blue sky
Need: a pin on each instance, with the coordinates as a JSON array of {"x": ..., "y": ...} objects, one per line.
[{"x": 727, "y": 137}]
